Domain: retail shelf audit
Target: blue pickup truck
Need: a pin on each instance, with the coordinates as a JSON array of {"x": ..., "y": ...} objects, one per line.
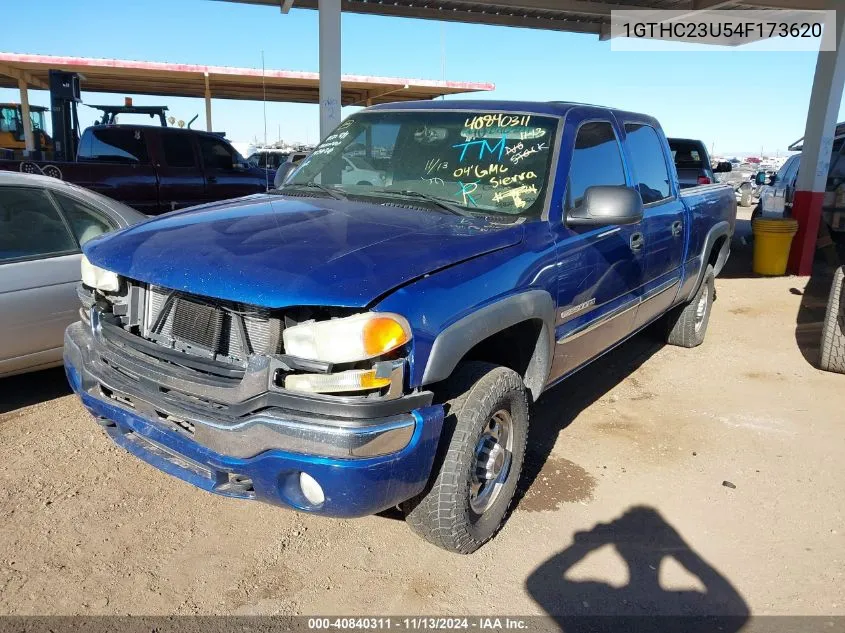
[{"x": 344, "y": 349}]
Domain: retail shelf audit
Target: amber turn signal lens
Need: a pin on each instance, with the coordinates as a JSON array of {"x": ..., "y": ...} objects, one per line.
[{"x": 383, "y": 334}]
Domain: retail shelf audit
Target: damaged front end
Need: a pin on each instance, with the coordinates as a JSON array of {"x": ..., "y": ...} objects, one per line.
[{"x": 209, "y": 391}]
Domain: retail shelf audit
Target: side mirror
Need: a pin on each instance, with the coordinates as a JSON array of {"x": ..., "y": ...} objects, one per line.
[
  {"x": 604, "y": 205},
  {"x": 761, "y": 178},
  {"x": 723, "y": 168}
]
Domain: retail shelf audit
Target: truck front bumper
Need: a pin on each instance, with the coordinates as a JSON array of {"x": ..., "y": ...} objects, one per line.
[{"x": 363, "y": 466}]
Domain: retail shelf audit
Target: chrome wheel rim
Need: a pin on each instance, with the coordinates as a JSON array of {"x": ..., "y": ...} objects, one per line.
[
  {"x": 493, "y": 454},
  {"x": 701, "y": 308}
]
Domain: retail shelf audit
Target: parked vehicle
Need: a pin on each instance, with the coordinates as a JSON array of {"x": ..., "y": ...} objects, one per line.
[
  {"x": 43, "y": 224},
  {"x": 154, "y": 169},
  {"x": 359, "y": 347},
  {"x": 693, "y": 163},
  {"x": 357, "y": 171},
  {"x": 777, "y": 191},
  {"x": 272, "y": 158},
  {"x": 12, "y": 137},
  {"x": 291, "y": 163}
]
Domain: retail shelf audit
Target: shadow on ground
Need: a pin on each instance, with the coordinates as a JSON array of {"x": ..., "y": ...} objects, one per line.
[
  {"x": 558, "y": 407},
  {"x": 643, "y": 539},
  {"x": 739, "y": 263},
  {"x": 28, "y": 389}
]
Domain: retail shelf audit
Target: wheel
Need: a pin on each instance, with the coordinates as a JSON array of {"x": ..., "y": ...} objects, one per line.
[
  {"x": 687, "y": 324},
  {"x": 757, "y": 212},
  {"x": 479, "y": 459},
  {"x": 833, "y": 331}
]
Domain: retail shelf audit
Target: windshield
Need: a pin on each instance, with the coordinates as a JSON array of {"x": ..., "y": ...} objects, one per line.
[{"x": 486, "y": 162}]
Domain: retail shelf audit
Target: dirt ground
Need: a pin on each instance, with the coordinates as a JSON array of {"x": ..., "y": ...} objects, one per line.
[{"x": 659, "y": 480}]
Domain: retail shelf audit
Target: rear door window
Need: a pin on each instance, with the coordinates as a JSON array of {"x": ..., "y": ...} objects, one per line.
[
  {"x": 649, "y": 162},
  {"x": 85, "y": 221},
  {"x": 30, "y": 226},
  {"x": 596, "y": 160},
  {"x": 178, "y": 150},
  {"x": 216, "y": 154},
  {"x": 114, "y": 145}
]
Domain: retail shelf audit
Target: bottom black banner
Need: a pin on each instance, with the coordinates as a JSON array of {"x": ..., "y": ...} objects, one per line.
[{"x": 567, "y": 624}]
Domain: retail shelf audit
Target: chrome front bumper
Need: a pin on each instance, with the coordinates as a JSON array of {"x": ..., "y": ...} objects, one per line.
[{"x": 239, "y": 418}]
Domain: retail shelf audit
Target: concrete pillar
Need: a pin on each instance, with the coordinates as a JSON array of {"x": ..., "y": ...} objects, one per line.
[
  {"x": 815, "y": 156},
  {"x": 207, "y": 104},
  {"x": 27, "y": 120},
  {"x": 329, "y": 65}
]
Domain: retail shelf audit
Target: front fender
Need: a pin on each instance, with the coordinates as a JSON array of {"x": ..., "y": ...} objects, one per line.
[
  {"x": 452, "y": 310},
  {"x": 452, "y": 344}
]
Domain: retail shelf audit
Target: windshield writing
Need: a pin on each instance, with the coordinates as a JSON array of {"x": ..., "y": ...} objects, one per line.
[{"x": 486, "y": 162}]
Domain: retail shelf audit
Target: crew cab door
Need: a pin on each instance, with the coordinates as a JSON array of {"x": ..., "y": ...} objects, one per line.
[
  {"x": 117, "y": 164},
  {"x": 665, "y": 222},
  {"x": 180, "y": 177},
  {"x": 226, "y": 172},
  {"x": 600, "y": 268}
]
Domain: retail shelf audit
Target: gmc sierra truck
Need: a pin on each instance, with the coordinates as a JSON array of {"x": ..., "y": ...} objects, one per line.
[
  {"x": 154, "y": 169},
  {"x": 343, "y": 349}
]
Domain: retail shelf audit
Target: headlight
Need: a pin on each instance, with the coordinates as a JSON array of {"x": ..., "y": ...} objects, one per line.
[
  {"x": 99, "y": 278},
  {"x": 354, "y": 338}
]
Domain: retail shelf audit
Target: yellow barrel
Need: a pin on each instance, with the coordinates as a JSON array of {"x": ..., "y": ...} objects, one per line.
[{"x": 772, "y": 240}]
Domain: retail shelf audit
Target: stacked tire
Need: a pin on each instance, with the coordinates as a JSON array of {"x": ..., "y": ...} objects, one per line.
[{"x": 833, "y": 331}]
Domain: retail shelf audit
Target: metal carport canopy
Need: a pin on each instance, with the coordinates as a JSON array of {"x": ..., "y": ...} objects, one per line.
[
  {"x": 224, "y": 82},
  {"x": 579, "y": 16}
]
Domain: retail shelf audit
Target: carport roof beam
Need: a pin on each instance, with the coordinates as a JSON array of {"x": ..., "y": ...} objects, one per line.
[
  {"x": 188, "y": 80},
  {"x": 579, "y": 16}
]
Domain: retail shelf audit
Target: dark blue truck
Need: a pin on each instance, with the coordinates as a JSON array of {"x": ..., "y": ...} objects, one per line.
[{"x": 343, "y": 349}]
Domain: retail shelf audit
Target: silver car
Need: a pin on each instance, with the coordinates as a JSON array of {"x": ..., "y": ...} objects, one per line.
[{"x": 43, "y": 223}]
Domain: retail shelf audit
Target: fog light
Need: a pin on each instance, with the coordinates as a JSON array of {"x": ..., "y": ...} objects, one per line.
[{"x": 311, "y": 490}]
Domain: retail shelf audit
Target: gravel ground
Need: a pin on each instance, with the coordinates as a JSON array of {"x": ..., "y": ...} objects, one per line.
[{"x": 660, "y": 479}]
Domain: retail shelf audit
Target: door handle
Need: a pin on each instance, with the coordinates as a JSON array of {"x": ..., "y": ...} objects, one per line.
[
  {"x": 677, "y": 227},
  {"x": 212, "y": 179},
  {"x": 637, "y": 242}
]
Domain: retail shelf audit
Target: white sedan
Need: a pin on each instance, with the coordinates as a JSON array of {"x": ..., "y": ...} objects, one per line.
[{"x": 357, "y": 171}]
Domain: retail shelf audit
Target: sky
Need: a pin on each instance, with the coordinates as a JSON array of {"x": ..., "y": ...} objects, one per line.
[{"x": 738, "y": 102}]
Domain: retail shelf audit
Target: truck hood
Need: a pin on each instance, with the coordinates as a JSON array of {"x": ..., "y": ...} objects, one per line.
[{"x": 275, "y": 251}]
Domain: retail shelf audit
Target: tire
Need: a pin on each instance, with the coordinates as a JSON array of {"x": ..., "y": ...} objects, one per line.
[
  {"x": 757, "y": 212},
  {"x": 479, "y": 397},
  {"x": 833, "y": 330},
  {"x": 687, "y": 324}
]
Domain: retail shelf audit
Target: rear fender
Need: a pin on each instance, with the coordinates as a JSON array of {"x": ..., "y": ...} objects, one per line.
[{"x": 693, "y": 282}]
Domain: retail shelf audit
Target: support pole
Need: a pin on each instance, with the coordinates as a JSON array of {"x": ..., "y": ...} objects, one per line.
[
  {"x": 207, "y": 104},
  {"x": 815, "y": 156},
  {"x": 329, "y": 65},
  {"x": 27, "y": 120}
]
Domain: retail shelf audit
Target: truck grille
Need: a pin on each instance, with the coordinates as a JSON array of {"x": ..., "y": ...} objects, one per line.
[{"x": 209, "y": 327}]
